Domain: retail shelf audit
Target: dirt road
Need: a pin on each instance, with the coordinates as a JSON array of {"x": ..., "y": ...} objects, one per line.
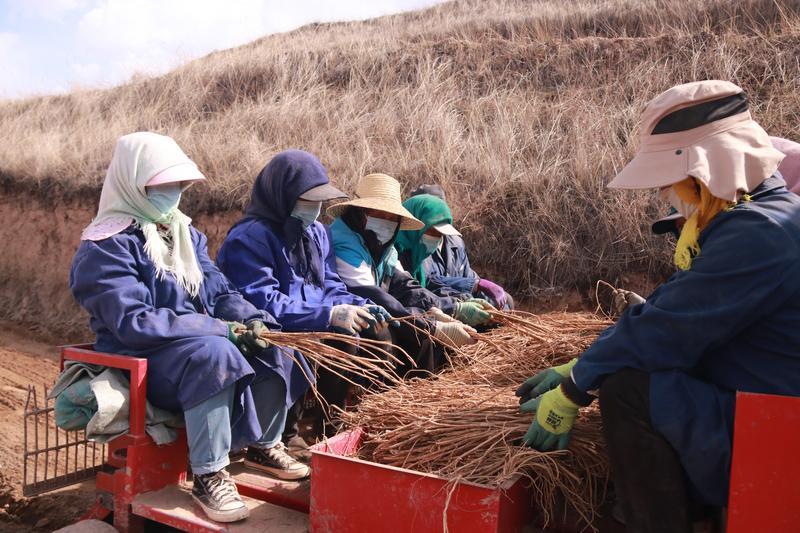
[{"x": 23, "y": 361}]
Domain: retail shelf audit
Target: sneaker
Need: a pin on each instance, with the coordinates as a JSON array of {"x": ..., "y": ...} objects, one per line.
[
  {"x": 298, "y": 448},
  {"x": 217, "y": 495},
  {"x": 277, "y": 462}
]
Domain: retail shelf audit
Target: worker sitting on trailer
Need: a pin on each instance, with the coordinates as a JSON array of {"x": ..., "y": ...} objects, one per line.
[
  {"x": 363, "y": 236},
  {"x": 282, "y": 261},
  {"x": 416, "y": 246},
  {"x": 144, "y": 275},
  {"x": 448, "y": 271},
  {"x": 728, "y": 320}
]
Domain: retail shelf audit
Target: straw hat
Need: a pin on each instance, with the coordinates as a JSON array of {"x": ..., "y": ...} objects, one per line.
[
  {"x": 704, "y": 130},
  {"x": 380, "y": 192}
]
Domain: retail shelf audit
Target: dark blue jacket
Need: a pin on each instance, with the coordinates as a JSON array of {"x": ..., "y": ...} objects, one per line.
[
  {"x": 448, "y": 271},
  {"x": 255, "y": 259},
  {"x": 190, "y": 359},
  {"x": 278, "y": 265},
  {"x": 731, "y": 322}
]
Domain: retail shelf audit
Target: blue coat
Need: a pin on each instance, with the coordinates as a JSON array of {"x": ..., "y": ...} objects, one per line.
[
  {"x": 184, "y": 339},
  {"x": 255, "y": 258},
  {"x": 448, "y": 270},
  {"x": 731, "y": 322}
]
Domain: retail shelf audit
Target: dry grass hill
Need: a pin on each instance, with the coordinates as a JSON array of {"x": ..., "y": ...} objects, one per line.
[{"x": 522, "y": 110}]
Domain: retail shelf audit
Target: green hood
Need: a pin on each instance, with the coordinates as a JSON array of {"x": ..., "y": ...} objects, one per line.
[{"x": 431, "y": 211}]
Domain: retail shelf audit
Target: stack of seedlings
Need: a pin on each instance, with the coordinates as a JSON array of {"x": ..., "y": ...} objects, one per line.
[{"x": 464, "y": 424}]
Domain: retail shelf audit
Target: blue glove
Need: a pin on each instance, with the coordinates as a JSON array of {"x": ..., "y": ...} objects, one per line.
[{"x": 381, "y": 315}]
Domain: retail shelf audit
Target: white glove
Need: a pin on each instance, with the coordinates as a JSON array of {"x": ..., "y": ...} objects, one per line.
[
  {"x": 439, "y": 315},
  {"x": 623, "y": 299},
  {"x": 351, "y": 318},
  {"x": 454, "y": 334}
]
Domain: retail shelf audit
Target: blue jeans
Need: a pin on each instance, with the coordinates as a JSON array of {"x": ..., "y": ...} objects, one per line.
[{"x": 208, "y": 424}]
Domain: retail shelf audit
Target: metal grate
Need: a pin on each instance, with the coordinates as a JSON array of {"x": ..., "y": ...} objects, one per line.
[{"x": 54, "y": 458}]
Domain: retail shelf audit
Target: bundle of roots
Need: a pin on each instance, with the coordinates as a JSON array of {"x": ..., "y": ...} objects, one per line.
[{"x": 464, "y": 424}]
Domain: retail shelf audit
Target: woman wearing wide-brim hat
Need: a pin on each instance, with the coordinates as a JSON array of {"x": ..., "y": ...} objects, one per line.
[
  {"x": 363, "y": 235},
  {"x": 728, "y": 320}
]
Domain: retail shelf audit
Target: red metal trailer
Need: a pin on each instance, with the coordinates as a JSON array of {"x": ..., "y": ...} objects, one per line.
[{"x": 140, "y": 481}]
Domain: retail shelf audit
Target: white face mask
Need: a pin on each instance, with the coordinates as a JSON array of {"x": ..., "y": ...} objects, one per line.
[
  {"x": 431, "y": 243},
  {"x": 164, "y": 197},
  {"x": 684, "y": 208},
  {"x": 307, "y": 212},
  {"x": 384, "y": 230}
]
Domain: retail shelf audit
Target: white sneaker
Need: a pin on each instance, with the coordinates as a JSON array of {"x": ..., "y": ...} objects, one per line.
[
  {"x": 277, "y": 462},
  {"x": 216, "y": 493}
]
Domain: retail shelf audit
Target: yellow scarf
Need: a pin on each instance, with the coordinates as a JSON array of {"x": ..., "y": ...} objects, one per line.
[{"x": 693, "y": 191}]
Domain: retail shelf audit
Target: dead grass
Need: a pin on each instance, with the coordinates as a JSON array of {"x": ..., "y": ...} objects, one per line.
[{"x": 522, "y": 110}]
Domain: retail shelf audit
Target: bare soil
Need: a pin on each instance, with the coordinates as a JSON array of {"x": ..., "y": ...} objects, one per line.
[{"x": 24, "y": 360}]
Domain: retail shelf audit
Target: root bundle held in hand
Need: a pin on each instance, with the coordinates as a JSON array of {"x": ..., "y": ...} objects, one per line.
[{"x": 464, "y": 424}]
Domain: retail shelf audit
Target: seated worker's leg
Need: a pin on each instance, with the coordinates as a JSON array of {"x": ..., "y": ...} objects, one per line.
[
  {"x": 208, "y": 434},
  {"x": 428, "y": 355},
  {"x": 646, "y": 470},
  {"x": 269, "y": 454},
  {"x": 294, "y": 442}
]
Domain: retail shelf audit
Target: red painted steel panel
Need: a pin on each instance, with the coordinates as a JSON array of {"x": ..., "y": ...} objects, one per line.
[
  {"x": 764, "y": 490},
  {"x": 351, "y": 495}
]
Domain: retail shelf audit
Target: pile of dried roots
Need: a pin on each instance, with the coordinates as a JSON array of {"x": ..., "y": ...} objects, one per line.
[{"x": 464, "y": 424}]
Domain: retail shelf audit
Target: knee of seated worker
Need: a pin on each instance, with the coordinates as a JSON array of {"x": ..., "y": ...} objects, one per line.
[{"x": 623, "y": 388}]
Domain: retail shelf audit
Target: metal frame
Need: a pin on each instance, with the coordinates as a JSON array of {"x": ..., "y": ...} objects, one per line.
[
  {"x": 56, "y": 454},
  {"x": 135, "y": 464}
]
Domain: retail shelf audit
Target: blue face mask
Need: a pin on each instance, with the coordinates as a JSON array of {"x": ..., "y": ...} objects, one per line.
[
  {"x": 164, "y": 197},
  {"x": 307, "y": 212},
  {"x": 431, "y": 243},
  {"x": 384, "y": 230}
]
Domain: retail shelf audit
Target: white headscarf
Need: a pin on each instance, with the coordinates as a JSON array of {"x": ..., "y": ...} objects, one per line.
[{"x": 138, "y": 157}]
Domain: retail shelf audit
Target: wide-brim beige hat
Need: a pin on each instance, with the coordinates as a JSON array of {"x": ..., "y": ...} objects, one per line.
[
  {"x": 704, "y": 130},
  {"x": 380, "y": 192}
]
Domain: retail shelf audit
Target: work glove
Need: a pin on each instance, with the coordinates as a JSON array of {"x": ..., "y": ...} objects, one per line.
[
  {"x": 351, "y": 319},
  {"x": 473, "y": 312},
  {"x": 555, "y": 415},
  {"x": 494, "y": 290},
  {"x": 623, "y": 299},
  {"x": 544, "y": 381},
  {"x": 439, "y": 315},
  {"x": 246, "y": 337},
  {"x": 382, "y": 316},
  {"x": 454, "y": 334}
]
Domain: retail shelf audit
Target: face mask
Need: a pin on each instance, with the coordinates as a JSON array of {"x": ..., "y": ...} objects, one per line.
[
  {"x": 164, "y": 197},
  {"x": 684, "y": 208},
  {"x": 431, "y": 243},
  {"x": 307, "y": 212},
  {"x": 383, "y": 229}
]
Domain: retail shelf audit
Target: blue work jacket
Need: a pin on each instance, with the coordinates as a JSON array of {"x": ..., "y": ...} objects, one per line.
[
  {"x": 190, "y": 359},
  {"x": 731, "y": 322},
  {"x": 448, "y": 270},
  {"x": 255, "y": 258}
]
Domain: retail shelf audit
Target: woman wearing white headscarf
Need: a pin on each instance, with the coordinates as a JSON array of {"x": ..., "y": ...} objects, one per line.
[{"x": 144, "y": 275}]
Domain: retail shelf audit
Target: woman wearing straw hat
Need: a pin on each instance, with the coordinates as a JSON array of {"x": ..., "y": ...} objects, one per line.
[
  {"x": 282, "y": 261},
  {"x": 728, "y": 320},
  {"x": 363, "y": 235},
  {"x": 143, "y": 274}
]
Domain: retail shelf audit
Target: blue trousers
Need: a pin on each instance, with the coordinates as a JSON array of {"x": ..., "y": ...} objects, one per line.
[{"x": 208, "y": 424}]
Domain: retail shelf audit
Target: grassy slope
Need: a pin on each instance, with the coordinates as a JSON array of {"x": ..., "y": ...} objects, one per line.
[{"x": 522, "y": 110}]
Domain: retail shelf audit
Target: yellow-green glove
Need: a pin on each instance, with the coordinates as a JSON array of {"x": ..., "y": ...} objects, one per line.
[
  {"x": 544, "y": 381},
  {"x": 555, "y": 415},
  {"x": 472, "y": 312}
]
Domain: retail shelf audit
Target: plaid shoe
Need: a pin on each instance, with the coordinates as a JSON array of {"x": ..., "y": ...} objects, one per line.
[
  {"x": 217, "y": 495},
  {"x": 277, "y": 462},
  {"x": 298, "y": 448}
]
